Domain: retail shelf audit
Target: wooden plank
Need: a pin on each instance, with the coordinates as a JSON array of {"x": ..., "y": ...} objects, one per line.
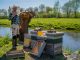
[{"x": 15, "y": 54}]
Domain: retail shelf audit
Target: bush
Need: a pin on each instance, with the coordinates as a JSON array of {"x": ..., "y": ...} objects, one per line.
[{"x": 3, "y": 17}]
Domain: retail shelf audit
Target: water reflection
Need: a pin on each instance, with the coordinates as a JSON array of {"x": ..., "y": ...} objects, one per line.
[
  {"x": 71, "y": 40},
  {"x": 75, "y": 35}
]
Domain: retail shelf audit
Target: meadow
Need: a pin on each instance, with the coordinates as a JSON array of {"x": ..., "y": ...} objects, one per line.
[{"x": 47, "y": 23}]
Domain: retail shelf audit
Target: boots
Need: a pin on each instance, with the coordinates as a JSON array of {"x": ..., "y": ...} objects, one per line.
[
  {"x": 21, "y": 37},
  {"x": 14, "y": 42}
]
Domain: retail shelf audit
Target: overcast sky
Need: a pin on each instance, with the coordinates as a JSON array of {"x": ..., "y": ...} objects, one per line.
[{"x": 4, "y": 4}]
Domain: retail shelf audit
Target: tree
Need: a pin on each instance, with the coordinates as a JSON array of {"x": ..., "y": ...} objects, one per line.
[
  {"x": 9, "y": 10},
  {"x": 21, "y": 9},
  {"x": 71, "y": 6},
  {"x": 75, "y": 6},
  {"x": 48, "y": 9},
  {"x": 36, "y": 10},
  {"x": 30, "y": 9},
  {"x": 42, "y": 7},
  {"x": 56, "y": 9},
  {"x": 3, "y": 13},
  {"x": 67, "y": 8}
]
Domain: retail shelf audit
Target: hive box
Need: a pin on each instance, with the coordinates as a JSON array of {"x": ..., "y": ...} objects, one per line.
[
  {"x": 54, "y": 43},
  {"x": 38, "y": 48}
]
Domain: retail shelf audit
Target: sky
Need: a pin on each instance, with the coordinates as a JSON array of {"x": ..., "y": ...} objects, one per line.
[{"x": 4, "y": 4}]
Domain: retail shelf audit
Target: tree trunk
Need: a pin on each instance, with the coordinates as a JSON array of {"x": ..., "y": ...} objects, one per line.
[{"x": 75, "y": 13}]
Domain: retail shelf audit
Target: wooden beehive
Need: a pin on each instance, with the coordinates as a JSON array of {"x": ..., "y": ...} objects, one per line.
[{"x": 54, "y": 43}]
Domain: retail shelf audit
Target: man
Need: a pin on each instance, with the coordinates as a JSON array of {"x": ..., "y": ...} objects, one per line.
[
  {"x": 14, "y": 17},
  {"x": 25, "y": 18}
]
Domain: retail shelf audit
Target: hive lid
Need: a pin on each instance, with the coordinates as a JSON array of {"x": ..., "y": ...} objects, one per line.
[{"x": 55, "y": 34}]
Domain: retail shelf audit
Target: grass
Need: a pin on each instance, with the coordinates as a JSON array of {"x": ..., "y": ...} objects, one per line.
[
  {"x": 5, "y": 44},
  {"x": 62, "y": 23},
  {"x": 67, "y": 51},
  {"x": 5, "y": 22},
  {"x": 4, "y": 40},
  {"x": 47, "y": 23},
  {"x": 5, "y": 49}
]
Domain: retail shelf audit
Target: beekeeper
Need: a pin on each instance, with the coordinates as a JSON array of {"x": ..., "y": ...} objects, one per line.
[{"x": 14, "y": 17}]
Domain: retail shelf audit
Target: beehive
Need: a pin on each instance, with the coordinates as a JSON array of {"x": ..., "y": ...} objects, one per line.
[{"x": 54, "y": 43}]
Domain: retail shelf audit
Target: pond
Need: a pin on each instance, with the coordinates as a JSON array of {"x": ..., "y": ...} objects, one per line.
[{"x": 71, "y": 40}]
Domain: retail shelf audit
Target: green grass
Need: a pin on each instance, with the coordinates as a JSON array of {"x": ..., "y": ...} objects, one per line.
[
  {"x": 5, "y": 45},
  {"x": 47, "y": 23},
  {"x": 67, "y": 51},
  {"x": 5, "y": 49},
  {"x": 4, "y": 40},
  {"x": 57, "y": 23},
  {"x": 5, "y": 22}
]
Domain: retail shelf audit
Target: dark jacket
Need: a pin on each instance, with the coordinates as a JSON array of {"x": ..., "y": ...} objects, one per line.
[{"x": 14, "y": 19}]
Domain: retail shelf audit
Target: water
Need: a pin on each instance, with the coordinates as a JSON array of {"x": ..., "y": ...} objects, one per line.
[
  {"x": 5, "y": 31},
  {"x": 71, "y": 40}
]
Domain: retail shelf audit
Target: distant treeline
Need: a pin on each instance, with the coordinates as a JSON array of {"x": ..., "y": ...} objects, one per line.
[
  {"x": 70, "y": 9},
  {"x": 3, "y": 17}
]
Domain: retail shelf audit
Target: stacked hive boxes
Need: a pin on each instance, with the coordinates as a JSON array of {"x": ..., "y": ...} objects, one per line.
[{"x": 54, "y": 43}]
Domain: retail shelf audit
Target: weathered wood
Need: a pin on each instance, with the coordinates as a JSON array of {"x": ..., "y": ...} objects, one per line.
[{"x": 15, "y": 54}]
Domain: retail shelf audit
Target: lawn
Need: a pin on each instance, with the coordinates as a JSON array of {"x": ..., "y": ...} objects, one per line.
[{"x": 47, "y": 23}]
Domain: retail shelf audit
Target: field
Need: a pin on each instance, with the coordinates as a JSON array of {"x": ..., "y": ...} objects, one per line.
[{"x": 47, "y": 23}]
